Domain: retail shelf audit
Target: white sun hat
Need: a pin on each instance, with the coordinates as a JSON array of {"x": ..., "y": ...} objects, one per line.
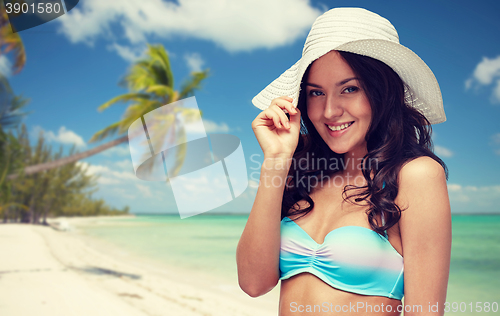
[{"x": 362, "y": 32}]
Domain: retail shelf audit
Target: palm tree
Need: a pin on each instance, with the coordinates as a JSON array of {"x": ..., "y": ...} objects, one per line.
[
  {"x": 10, "y": 116},
  {"x": 151, "y": 85},
  {"x": 11, "y": 42},
  {"x": 10, "y": 160},
  {"x": 10, "y": 106},
  {"x": 10, "y": 110}
]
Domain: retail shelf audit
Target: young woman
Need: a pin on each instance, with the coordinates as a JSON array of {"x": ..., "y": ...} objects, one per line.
[{"x": 352, "y": 210}]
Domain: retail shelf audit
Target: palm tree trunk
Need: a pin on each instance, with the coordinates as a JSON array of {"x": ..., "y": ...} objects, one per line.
[
  {"x": 45, "y": 212},
  {"x": 66, "y": 160},
  {"x": 6, "y": 214}
]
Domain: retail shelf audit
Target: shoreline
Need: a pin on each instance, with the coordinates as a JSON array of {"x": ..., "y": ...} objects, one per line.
[{"x": 115, "y": 281}]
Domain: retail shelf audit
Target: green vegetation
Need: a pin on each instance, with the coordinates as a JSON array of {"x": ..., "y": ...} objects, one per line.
[
  {"x": 150, "y": 82},
  {"x": 63, "y": 191},
  {"x": 11, "y": 42},
  {"x": 35, "y": 182}
]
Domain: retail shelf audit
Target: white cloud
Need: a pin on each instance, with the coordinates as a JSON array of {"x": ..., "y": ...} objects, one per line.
[
  {"x": 200, "y": 191},
  {"x": 130, "y": 54},
  {"x": 486, "y": 73},
  {"x": 212, "y": 127},
  {"x": 452, "y": 187},
  {"x": 496, "y": 92},
  {"x": 468, "y": 83},
  {"x": 474, "y": 199},
  {"x": 471, "y": 188},
  {"x": 123, "y": 193},
  {"x": 496, "y": 138},
  {"x": 443, "y": 152},
  {"x": 63, "y": 136},
  {"x": 209, "y": 127},
  {"x": 100, "y": 171},
  {"x": 202, "y": 183},
  {"x": 144, "y": 189},
  {"x": 107, "y": 180},
  {"x": 123, "y": 175},
  {"x": 124, "y": 164},
  {"x": 93, "y": 169},
  {"x": 107, "y": 175},
  {"x": 487, "y": 70},
  {"x": 5, "y": 66},
  {"x": 117, "y": 151},
  {"x": 234, "y": 25},
  {"x": 495, "y": 142},
  {"x": 194, "y": 62}
]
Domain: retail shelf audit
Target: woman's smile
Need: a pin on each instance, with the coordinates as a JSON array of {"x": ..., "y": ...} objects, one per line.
[
  {"x": 337, "y": 105},
  {"x": 337, "y": 130}
]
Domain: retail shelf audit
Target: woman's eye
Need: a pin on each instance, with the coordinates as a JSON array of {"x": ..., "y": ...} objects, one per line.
[
  {"x": 315, "y": 93},
  {"x": 351, "y": 89}
]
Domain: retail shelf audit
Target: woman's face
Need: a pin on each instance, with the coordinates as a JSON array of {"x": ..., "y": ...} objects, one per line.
[{"x": 337, "y": 105}]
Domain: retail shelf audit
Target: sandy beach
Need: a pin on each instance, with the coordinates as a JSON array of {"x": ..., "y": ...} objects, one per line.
[{"x": 44, "y": 271}]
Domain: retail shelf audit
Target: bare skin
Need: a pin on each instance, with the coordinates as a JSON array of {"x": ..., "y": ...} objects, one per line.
[
  {"x": 306, "y": 289},
  {"x": 423, "y": 232}
]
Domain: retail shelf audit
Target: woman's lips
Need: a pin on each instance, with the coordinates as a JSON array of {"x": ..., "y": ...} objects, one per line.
[{"x": 339, "y": 132}]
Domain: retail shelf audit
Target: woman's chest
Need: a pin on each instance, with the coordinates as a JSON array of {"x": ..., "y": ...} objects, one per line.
[{"x": 335, "y": 209}]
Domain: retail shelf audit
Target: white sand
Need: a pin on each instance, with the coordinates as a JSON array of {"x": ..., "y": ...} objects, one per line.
[{"x": 45, "y": 272}]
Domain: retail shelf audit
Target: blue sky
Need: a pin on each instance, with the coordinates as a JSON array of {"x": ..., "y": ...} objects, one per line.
[{"x": 74, "y": 64}]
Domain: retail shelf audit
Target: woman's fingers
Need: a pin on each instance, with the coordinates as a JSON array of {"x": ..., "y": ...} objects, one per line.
[
  {"x": 295, "y": 117},
  {"x": 285, "y": 103},
  {"x": 282, "y": 119},
  {"x": 267, "y": 124},
  {"x": 272, "y": 116},
  {"x": 275, "y": 114},
  {"x": 281, "y": 106}
]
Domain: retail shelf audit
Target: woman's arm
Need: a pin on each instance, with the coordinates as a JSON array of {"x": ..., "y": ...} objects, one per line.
[
  {"x": 426, "y": 235},
  {"x": 257, "y": 255}
]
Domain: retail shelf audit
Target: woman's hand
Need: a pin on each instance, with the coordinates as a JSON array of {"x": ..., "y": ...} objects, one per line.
[{"x": 276, "y": 134}]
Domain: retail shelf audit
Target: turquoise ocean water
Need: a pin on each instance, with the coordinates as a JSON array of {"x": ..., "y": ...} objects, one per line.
[{"x": 207, "y": 243}]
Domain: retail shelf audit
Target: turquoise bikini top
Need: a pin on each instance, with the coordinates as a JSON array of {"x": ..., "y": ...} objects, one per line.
[{"x": 351, "y": 258}]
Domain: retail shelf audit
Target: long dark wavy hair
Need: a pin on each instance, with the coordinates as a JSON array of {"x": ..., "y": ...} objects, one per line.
[{"x": 398, "y": 133}]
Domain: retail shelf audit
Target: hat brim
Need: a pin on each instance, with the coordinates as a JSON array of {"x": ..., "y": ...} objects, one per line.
[{"x": 424, "y": 93}]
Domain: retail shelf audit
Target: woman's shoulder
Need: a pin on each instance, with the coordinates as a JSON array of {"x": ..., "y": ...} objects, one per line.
[
  {"x": 422, "y": 176},
  {"x": 423, "y": 166}
]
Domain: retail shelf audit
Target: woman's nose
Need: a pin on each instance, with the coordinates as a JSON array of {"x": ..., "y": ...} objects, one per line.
[{"x": 333, "y": 108}]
